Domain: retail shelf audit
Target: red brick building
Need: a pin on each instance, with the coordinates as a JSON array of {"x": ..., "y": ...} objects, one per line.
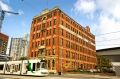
[
  {"x": 3, "y": 43},
  {"x": 63, "y": 42}
]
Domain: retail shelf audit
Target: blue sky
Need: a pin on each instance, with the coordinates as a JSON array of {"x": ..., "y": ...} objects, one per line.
[
  {"x": 16, "y": 25},
  {"x": 102, "y": 17}
]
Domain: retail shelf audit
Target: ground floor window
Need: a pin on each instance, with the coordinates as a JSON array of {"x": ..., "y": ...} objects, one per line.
[
  {"x": 53, "y": 64},
  {"x": 1, "y": 67}
]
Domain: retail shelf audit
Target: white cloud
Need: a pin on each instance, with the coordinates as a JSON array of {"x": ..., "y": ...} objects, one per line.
[
  {"x": 4, "y": 6},
  {"x": 109, "y": 7},
  {"x": 108, "y": 25},
  {"x": 107, "y": 19},
  {"x": 85, "y": 6},
  {"x": 116, "y": 12}
]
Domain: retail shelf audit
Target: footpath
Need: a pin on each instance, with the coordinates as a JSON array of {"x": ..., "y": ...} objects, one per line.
[
  {"x": 63, "y": 76},
  {"x": 91, "y": 76}
]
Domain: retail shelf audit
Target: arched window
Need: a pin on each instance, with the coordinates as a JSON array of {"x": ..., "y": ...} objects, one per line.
[{"x": 44, "y": 18}]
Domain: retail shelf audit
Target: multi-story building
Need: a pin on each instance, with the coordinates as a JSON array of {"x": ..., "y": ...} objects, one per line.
[
  {"x": 63, "y": 42},
  {"x": 3, "y": 43},
  {"x": 18, "y": 48},
  {"x": 113, "y": 54}
]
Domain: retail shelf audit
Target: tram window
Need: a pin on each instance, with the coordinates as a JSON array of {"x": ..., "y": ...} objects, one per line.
[
  {"x": 19, "y": 67},
  {"x": 33, "y": 66},
  {"x": 1, "y": 67},
  {"x": 43, "y": 65},
  {"x": 38, "y": 66},
  {"x": 7, "y": 68}
]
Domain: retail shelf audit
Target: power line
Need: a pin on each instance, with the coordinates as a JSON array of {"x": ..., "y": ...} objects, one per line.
[
  {"x": 107, "y": 33},
  {"x": 108, "y": 40},
  {"x": 107, "y": 44}
]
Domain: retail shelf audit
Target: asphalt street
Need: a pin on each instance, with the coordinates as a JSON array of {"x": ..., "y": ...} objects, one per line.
[{"x": 64, "y": 76}]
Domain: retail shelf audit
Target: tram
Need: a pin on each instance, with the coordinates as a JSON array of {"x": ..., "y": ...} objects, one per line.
[{"x": 24, "y": 67}]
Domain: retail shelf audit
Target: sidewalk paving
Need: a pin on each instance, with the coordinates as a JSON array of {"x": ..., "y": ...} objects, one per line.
[
  {"x": 94, "y": 76},
  {"x": 63, "y": 76}
]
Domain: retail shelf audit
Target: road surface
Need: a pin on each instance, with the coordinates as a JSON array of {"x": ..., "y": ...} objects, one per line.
[{"x": 64, "y": 76}]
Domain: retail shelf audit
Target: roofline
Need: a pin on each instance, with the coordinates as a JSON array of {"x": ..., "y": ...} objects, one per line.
[
  {"x": 57, "y": 8},
  {"x": 106, "y": 49},
  {"x": 4, "y": 34},
  {"x": 50, "y": 10}
]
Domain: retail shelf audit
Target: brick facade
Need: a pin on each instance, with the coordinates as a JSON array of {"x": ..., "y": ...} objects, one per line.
[
  {"x": 3, "y": 43},
  {"x": 64, "y": 43}
]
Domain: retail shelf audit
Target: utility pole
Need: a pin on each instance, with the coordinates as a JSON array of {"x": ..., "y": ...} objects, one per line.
[
  {"x": 1, "y": 19},
  {"x": 2, "y": 16}
]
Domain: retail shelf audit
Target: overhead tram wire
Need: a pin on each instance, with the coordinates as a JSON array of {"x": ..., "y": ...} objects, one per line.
[
  {"x": 107, "y": 44},
  {"x": 107, "y": 33},
  {"x": 108, "y": 40}
]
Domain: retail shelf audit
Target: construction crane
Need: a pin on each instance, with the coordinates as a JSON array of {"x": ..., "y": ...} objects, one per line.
[{"x": 3, "y": 15}]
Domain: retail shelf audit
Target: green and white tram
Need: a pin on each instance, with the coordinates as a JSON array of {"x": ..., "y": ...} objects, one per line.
[{"x": 24, "y": 67}]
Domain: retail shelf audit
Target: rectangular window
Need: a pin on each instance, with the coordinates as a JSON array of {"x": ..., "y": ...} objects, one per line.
[
  {"x": 50, "y": 15},
  {"x": 62, "y": 42},
  {"x": 54, "y": 31},
  {"x": 33, "y": 36},
  {"x": 49, "y": 41},
  {"x": 62, "y": 23},
  {"x": 66, "y": 34},
  {"x": 53, "y": 51},
  {"x": 1, "y": 42},
  {"x": 47, "y": 32},
  {"x": 54, "y": 41},
  {"x": 33, "y": 29},
  {"x": 48, "y": 63},
  {"x": 50, "y": 23},
  {"x": 46, "y": 42},
  {"x": 36, "y": 35},
  {"x": 54, "y": 21},
  {"x": 62, "y": 15},
  {"x": 50, "y": 32},
  {"x": 42, "y": 33},
  {"x": 62, "y": 31},
  {"x": 42, "y": 42},
  {"x": 55, "y": 13},
  {"x": 43, "y": 25}
]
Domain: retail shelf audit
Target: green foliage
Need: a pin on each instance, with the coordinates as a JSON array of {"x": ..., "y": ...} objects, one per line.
[
  {"x": 24, "y": 58},
  {"x": 103, "y": 62}
]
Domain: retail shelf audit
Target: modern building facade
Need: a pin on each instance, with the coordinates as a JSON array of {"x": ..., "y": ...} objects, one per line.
[
  {"x": 60, "y": 40},
  {"x": 114, "y": 55},
  {"x": 18, "y": 48},
  {"x": 3, "y": 43}
]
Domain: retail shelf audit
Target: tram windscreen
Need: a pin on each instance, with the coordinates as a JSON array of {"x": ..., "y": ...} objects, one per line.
[{"x": 43, "y": 65}]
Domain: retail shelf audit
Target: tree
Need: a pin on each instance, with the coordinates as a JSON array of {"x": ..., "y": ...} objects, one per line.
[
  {"x": 23, "y": 58},
  {"x": 103, "y": 63}
]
